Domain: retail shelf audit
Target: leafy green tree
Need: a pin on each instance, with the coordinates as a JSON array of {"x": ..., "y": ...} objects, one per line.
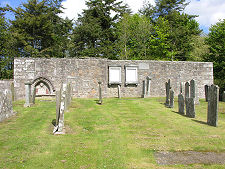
[
  {"x": 183, "y": 27},
  {"x": 6, "y": 49},
  {"x": 216, "y": 42},
  {"x": 38, "y": 30},
  {"x": 94, "y": 34},
  {"x": 140, "y": 39}
]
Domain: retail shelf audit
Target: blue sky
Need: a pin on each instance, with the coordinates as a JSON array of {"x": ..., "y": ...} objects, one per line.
[{"x": 209, "y": 11}]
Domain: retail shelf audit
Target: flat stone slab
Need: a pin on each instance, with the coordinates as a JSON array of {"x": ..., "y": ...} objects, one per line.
[{"x": 189, "y": 157}]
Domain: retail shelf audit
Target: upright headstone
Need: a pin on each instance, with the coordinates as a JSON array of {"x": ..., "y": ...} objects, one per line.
[
  {"x": 206, "y": 92},
  {"x": 119, "y": 93},
  {"x": 27, "y": 94},
  {"x": 143, "y": 89},
  {"x": 187, "y": 90},
  {"x": 171, "y": 99},
  {"x": 167, "y": 93},
  {"x": 181, "y": 91},
  {"x": 61, "y": 129},
  {"x": 33, "y": 95},
  {"x": 193, "y": 91},
  {"x": 148, "y": 85},
  {"x": 213, "y": 99},
  {"x": 223, "y": 96},
  {"x": 190, "y": 107},
  {"x": 13, "y": 91},
  {"x": 100, "y": 93},
  {"x": 181, "y": 104}
]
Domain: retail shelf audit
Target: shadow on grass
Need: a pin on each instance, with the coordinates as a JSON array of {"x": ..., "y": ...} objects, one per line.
[
  {"x": 179, "y": 113},
  {"x": 201, "y": 122}
]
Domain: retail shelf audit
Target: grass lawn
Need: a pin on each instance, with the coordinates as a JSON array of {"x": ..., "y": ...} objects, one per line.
[{"x": 121, "y": 133}]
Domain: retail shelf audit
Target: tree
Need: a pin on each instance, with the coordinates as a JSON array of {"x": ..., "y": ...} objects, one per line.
[
  {"x": 6, "y": 59},
  {"x": 94, "y": 34},
  {"x": 38, "y": 30},
  {"x": 140, "y": 39},
  {"x": 216, "y": 41},
  {"x": 183, "y": 27}
]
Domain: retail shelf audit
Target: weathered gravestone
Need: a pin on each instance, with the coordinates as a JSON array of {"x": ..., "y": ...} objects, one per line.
[
  {"x": 148, "y": 85},
  {"x": 206, "y": 92},
  {"x": 144, "y": 89},
  {"x": 187, "y": 90},
  {"x": 223, "y": 96},
  {"x": 213, "y": 99},
  {"x": 119, "y": 92},
  {"x": 33, "y": 96},
  {"x": 171, "y": 99},
  {"x": 27, "y": 94},
  {"x": 193, "y": 91},
  {"x": 190, "y": 107},
  {"x": 100, "y": 93},
  {"x": 167, "y": 92},
  {"x": 181, "y": 103},
  {"x": 60, "y": 109}
]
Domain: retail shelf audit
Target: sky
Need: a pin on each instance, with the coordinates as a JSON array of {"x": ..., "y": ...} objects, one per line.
[{"x": 209, "y": 11}]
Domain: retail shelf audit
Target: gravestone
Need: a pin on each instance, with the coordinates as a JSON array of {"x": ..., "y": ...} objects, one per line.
[
  {"x": 148, "y": 85},
  {"x": 61, "y": 129},
  {"x": 143, "y": 89},
  {"x": 100, "y": 93},
  {"x": 206, "y": 92},
  {"x": 181, "y": 104},
  {"x": 171, "y": 99},
  {"x": 33, "y": 95},
  {"x": 213, "y": 99},
  {"x": 223, "y": 96},
  {"x": 58, "y": 101},
  {"x": 187, "y": 90},
  {"x": 181, "y": 91},
  {"x": 13, "y": 91},
  {"x": 193, "y": 91},
  {"x": 167, "y": 93},
  {"x": 119, "y": 93},
  {"x": 27, "y": 94},
  {"x": 190, "y": 107}
]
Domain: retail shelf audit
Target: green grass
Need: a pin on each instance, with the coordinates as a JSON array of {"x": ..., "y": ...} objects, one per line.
[{"x": 121, "y": 133}]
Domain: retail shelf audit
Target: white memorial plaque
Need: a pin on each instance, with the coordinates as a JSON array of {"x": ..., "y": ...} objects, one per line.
[
  {"x": 131, "y": 75},
  {"x": 114, "y": 75}
]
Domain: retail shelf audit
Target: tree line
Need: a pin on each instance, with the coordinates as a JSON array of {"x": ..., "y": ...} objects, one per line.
[{"x": 108, "y": 29}]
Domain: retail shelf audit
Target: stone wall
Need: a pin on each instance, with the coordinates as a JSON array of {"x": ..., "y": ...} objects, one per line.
[
  {"x": 6, "y": 109},
  {"x": 85, "y": 73}
]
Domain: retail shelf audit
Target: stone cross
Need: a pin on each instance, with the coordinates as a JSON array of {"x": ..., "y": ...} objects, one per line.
[
  {"x": 119, "y": 93},
  {"x": 181, "y": 104},
  {"x": 27, "y": 94},
  {"x": 190, "y": 107},
  {"x": 213, "y": 99},
  {"x": 206, "y": 92},
  {"x": 100, "y": 93},
  {"x": 144, "y": 89},
  {"x": 148, "y": 85},
  {"x": 171, "y": 99}
]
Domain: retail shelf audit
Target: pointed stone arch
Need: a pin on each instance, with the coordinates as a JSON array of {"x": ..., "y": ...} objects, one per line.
[{"x": 43, "y": 87}]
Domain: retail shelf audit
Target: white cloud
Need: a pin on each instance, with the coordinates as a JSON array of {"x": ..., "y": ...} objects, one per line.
[
  {"x": 75, "y": 7},
  {"x": 209, "y": 11}
]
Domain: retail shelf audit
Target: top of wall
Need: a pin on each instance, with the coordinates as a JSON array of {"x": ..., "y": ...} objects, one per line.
[{"x": 105, "y": 59}]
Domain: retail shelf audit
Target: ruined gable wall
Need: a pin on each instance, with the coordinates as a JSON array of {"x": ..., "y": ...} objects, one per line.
[{"x": 85, "y": 73}]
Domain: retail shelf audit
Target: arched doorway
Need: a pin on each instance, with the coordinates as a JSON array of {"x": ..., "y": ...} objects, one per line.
[{"x": 42, "y": 87}]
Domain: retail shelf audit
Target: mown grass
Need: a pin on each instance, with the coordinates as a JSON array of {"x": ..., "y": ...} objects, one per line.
[{"x": 121, "y": 133}]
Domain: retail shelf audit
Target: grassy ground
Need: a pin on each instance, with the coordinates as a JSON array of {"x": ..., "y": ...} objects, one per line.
[{"x": 121, "y": 133}]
